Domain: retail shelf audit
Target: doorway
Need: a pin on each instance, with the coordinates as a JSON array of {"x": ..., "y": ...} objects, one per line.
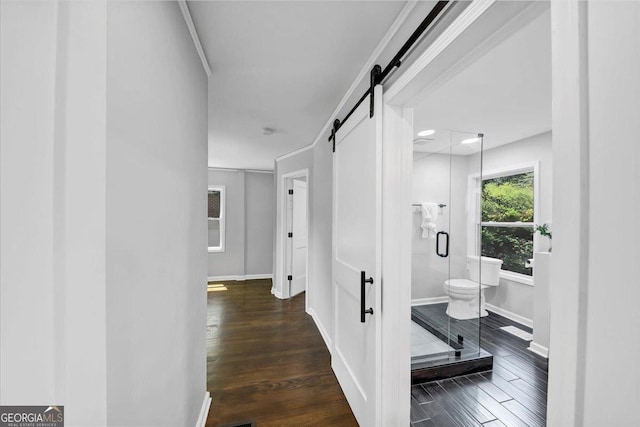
[
  {"x": 458, "y": 85},
  {"x": 296, "y": 225}
]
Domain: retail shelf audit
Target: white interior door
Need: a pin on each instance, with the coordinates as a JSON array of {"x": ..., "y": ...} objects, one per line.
[
  {"x": 357, "y": 248},
  {"x": 299, "y": 240}
]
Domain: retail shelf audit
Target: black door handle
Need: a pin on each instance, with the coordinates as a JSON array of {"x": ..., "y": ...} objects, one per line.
[
  {"x": 363, "y": 281},
  {"x": 446, "y": 254}
]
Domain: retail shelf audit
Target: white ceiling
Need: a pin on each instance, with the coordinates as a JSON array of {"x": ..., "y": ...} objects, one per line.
[
  {"x": 284, "y": 65},
  {"x": 505, "y": 94}
]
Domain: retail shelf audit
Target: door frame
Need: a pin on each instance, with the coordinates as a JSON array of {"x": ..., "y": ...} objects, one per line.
[
  {"x": 285, "y": 219},
  {"x": 454, "y": 49}
]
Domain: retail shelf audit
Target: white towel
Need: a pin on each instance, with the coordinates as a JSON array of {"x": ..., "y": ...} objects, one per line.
[{"x": 429, "y": 216}]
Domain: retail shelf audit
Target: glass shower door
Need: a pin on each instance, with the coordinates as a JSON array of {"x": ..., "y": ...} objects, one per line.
[{"x": 446, "y": 322}]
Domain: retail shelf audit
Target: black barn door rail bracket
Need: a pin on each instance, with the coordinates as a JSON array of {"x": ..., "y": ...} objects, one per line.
[{"x": 378, "y": 75}]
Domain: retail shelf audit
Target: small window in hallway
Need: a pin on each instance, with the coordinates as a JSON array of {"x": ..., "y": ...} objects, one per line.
[{"x": 216, "y": 218}]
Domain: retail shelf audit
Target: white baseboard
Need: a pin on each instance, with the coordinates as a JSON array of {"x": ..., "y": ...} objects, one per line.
[
  {"x": 276, "y": 293},
  {"x": 321, "y": 328},
  {"x": 426, "y": 301},
  {"x": 239, "y": 278},
  {"x": 258, "y": 276},
  {"x": 510, "y": 315},
  {"x": 204, "y": 410},
  {"x": 538, "y": 349}
]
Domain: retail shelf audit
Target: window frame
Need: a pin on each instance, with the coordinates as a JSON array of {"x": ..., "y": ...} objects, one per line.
[
  {"x": 221, "y": 220},
  {"x": 475, "y": 223}
]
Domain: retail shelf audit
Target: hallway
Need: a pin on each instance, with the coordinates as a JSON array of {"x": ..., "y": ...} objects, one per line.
[{"x": 266, "y": 361}]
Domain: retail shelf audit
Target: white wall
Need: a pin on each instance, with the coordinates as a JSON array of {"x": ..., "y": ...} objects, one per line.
[
  {"x": 260, "y": 219},
  {"x": 320, "y": 238},
  {"x": 156, "y": 217},
  {"x": 102, "y": 292},
  {"x": 319, "y": 162},
  {"x": 612, "y": 317},
  {"x": 439, "y": 178},
  {"x": 510, "y": 295},
  {"x": 594, "y": 286},
  {"x": 250, "y": 217},
  {"x": 27, "y": 314},
  {"x": 52, "y": 207}
]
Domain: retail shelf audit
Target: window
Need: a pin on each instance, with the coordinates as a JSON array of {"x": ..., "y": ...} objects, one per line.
[
  {"x": 507, "y": 217},
  {"x": 216, "y": 220}
]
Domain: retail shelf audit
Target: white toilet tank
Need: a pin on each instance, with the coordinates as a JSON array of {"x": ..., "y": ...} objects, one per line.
[{"x": 490, "y": 270}]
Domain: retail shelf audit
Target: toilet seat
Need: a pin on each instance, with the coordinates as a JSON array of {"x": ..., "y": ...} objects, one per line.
[{"x": 463, "y": 286}]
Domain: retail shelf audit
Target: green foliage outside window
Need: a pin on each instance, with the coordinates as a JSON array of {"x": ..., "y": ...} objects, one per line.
[{"x": 508, "y": 199}]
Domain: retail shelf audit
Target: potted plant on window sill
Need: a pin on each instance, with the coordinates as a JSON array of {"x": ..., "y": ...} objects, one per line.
[{"x": 544, "y": 230}]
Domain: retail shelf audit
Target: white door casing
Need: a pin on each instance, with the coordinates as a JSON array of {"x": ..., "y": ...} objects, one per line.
[
  {"x": 299, "y": 239},
  {"x": 357, "y": 236}
]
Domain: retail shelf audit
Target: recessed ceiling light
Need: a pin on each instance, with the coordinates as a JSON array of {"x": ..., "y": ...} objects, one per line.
[
  {"x": 426, "y": 132},
  {"x": 470, "y": 140},
  {"x": 266, "y": 131}
]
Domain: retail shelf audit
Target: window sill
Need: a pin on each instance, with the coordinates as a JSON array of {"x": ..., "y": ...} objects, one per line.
[
  {"x": 215, "y": 250},
  {"x": 516, "y": 277}
]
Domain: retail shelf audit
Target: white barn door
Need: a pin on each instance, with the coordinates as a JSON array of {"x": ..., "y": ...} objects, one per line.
[{"x": 356, "y": 358}]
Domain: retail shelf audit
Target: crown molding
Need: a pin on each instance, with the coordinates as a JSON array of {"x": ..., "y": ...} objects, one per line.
[{"x": 184, "y": 8}]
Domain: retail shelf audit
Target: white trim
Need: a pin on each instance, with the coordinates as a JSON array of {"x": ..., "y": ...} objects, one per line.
[
  {"x": 295, "y": 152},
  {"x": 466, "y": 19},
  {"x": 538, "y": 349},
  {"x": 428, "y": 301},
  {"x": 509, "y": 170},
  {"x": 515, "y": 224},
  {"x": 184, "y": 8},
  {"x": 510, "y": 315},
  {"x": 239, "y": 278},
  {"x": 276, "y": 293},
  {"x": 216, "y": 168},
  {"x": 321, "y": 329},
  {"x": 473, "y": 189},
  {"x": 511, "y": 276},
  {"x": 222, "y": 219},
  {"x": 258, "y": 276},
  {"x": 281, "y": 257},
  {"x": 364, "y": 72},
  {"x": 204, "y": 410}
]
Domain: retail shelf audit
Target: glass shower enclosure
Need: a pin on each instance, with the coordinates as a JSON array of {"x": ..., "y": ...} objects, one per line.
[{"x": 446, "y": 301}]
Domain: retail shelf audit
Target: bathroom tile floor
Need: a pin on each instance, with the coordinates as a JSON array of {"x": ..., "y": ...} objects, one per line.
[
  {"x": 425, "y": 343},
  {"x": 513, "y": 394}
]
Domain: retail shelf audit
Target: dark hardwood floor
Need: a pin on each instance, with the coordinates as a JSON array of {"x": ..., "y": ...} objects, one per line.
[
  {"x": 267, "y": 362},
  {"x": 513, "y": 394}
]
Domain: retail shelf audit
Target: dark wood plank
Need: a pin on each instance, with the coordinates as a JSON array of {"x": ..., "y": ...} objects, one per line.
[
  {"x": 417, "y": 412},
  {"x": 489, "y": 388},
  {"x": 420, "y": 394},
  {"x": 535, "y": 404},
  {"x": 531, "y": 390},
  {"x": 439, "y": 416},
  {"x": 532, "y": 419},
  {"x": 267, "y": 361},
  {"x": 514, "y": 392},
  {"x": 470, "y": 405},
  {"x": 455, "y": 410},
  {"x": 495, "y": 407},
  {"x": 424, "y": 423}
]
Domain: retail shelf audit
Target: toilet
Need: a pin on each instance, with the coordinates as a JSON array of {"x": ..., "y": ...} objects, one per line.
[{"x": 463, "y": 293}]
